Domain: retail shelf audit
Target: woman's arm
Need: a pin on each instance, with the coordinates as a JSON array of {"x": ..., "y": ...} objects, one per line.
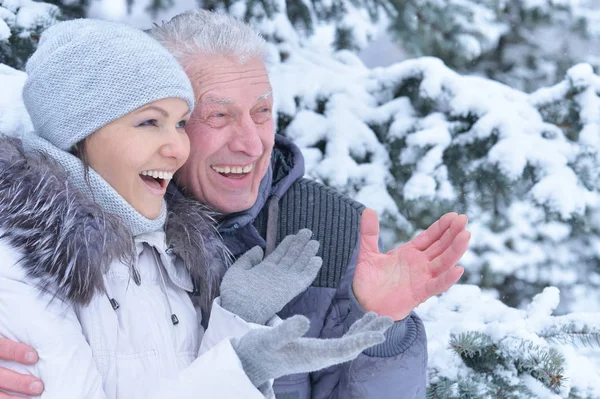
[{"x": 66, "y": 364}]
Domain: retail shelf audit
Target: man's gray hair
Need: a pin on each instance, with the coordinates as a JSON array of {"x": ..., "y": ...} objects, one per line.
[{"x": 204, "y": 33}]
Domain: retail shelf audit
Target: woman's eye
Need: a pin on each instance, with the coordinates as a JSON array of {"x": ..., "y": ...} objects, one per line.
[
  {"x": 149, "y": 122},
  {"x": 181, "y": 124}
]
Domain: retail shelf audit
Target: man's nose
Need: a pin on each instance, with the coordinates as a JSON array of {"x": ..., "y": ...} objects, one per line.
[{"x": 246, "y": 138}]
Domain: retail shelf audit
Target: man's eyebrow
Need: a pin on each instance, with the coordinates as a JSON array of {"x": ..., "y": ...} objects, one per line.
[
  {"x": 264, "y": 96},
  {"x": 217, "y": 100}
]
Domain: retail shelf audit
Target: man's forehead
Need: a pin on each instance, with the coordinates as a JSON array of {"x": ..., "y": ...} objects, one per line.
[{"x": 227, "y": 100}]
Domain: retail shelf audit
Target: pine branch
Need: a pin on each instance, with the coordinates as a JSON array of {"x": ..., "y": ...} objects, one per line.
[
  {"x": 544, "y": 364},
  {"x": 476, "y": 349},
  {"x": 570, "y": 334},
  {"x": 442, "y": 389}
]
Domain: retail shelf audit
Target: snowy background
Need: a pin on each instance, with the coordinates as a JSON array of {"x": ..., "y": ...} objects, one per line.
[{"x": 421, "y": 107}]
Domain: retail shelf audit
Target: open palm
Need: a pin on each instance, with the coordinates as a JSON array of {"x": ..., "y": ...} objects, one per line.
[{"x": 394, "y": 283}]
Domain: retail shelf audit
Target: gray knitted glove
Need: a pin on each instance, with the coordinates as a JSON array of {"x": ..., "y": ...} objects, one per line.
[
  {"x": 281, "y": 350},
  {"x": 256, "y": 290}
]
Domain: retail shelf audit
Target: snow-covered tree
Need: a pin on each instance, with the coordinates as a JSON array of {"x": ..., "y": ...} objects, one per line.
[
  {"x": 21, "y": 22},
  {"x": 343, "y": 24},
  {"x": 416, "y": 140},
  {"x": 480, "y": 348},
  {"x": 525, "y": 44}
]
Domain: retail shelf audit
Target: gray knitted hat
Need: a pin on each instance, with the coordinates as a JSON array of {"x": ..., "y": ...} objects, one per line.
[{"x": 84, "y": 75}]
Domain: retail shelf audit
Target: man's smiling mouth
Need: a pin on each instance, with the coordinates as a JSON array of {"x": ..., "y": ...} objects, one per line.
[{"x": 233, "y": 171}]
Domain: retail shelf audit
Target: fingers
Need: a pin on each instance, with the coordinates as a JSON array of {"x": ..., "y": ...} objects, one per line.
[
  {"x": 328, "y": 352},
  {"x": 371, "y": 322},
  {"x": 425, "y": 239},
  {"x": 358, "y": 325},
  {"x": 312, "y": 269},
  {"x": 380, "y": 324},
  {"x": 15, "y": 382},
  {"x": 17, "y": 352},
  {"x": 249, "y": 259},
  {"x": 299, "y": 276},
  {"x": 7, "y": 396},
  {"x": 456, "y": 227},
  {"x": 451, "y": 255},
  {"x": 298, "y": 247},
  {"x": 351, "y": 346},
  {"x": 369, "y": 232},
  {"x": 443, "y": 282},
  {"x": 290, "y": 248},
  {"x": 19, "y": 383},
  {"x": 304, "y": 256},
  {"x": 289, "y": 330}
]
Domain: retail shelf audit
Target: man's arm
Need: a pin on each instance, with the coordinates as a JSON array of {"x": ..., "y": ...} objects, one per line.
[
  {"x": 11, "y": 351},
  {"x": 392, "y": 284},
  {"x": 394, "y": 369}
]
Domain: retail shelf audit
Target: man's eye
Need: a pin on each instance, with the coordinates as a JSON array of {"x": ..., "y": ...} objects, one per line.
[
  {"x": 219, "y": 115},
  {"x": 262, "y": 115},
  {"x": 149, "y": 122}
]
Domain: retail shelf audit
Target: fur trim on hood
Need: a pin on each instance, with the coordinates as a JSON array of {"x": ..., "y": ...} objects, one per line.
[
  {"x": 192, "y": 233},
  {"x": 68, "y": 241}
]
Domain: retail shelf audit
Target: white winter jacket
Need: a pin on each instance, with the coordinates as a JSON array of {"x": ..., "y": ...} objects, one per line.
[{"x": 138, "y": 335}]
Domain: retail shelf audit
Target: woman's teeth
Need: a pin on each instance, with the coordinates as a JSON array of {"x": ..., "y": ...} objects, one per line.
[{"x": 158, "y": 174}]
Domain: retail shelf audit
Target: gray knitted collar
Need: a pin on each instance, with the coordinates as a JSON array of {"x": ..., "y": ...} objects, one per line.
[
  {"x": 97, "y": 189},
  {"x": 68, "y": 242}
]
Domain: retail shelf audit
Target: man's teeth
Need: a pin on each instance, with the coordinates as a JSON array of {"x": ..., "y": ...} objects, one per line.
[
  {"x": 233, "y": 169},
  {"x": 158, "y": 174}
]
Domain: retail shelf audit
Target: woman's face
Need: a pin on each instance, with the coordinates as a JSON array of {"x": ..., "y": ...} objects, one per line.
[{"x": 138, "y": 153}]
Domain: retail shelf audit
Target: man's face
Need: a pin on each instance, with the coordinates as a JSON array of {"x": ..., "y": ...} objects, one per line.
[{"x": 231, "y": 133}]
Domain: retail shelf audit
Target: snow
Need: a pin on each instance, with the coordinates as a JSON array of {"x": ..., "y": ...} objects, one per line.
[
  {"x": 521, "y": 142},
  {"x": 465, "y": 308},
  {"x": 4, "y": 30},
  {"x": 332, "y": 100},
  {"x": 33, "y": 14},
  {"x": 138, "y": 16},
  {"x": 14, "y": 119},
  {"x": 26, "y": 16}
]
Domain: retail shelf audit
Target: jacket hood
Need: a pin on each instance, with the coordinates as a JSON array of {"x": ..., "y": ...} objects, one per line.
[
  {"x": 192, "y": 234},
  {"x": 288, "y": 165},
  {"x": 68, "y": 242}
]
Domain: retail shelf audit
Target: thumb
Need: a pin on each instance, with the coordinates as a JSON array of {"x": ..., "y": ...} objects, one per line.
[
  {"x": 287, "y": 331},
  {"x": 369, "y": 232},
  {"x": 249, "y": 259}
]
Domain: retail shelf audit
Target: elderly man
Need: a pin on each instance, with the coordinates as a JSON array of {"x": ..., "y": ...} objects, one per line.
[{"x": 241, "y": 168}]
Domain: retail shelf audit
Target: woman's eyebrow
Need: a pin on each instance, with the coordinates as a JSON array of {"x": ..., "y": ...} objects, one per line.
[{"x": 156, "y": 108}]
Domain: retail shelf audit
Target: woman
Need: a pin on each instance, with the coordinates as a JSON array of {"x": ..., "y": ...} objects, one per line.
[{"x": 88, "y": 246}]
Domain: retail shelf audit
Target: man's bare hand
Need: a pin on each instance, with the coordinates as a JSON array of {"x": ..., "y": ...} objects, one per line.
[
  {"x": 394, "y": 283},
  {"x": 11, "y": 381}
]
